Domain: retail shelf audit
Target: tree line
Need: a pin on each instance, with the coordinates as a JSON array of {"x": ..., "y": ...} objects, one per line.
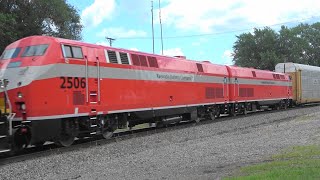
[
  {"x": 264, "y": 48},
  {"x": 22, "y": 18}
]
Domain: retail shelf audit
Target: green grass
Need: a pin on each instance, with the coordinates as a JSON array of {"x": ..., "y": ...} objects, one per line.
[{"x": 300, "y": 162}]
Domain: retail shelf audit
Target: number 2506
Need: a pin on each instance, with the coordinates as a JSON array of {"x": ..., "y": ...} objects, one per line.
[{"x": 72, "y": 82}]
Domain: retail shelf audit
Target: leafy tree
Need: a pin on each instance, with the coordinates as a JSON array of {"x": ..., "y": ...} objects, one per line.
[
  {"x": 311, "y": 37},
  {"x": 264, "y": 48},
  {"x": 257, "y": 49},
  {"x": 8, "y": 33},
  {"x": 22, "y": 18}
]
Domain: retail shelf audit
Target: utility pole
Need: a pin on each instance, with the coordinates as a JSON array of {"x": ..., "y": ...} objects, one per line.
[
  {"x": 110, "y": 40},
  {"x": 152, "y": 26},
  {"x": 160, "y": 27}
]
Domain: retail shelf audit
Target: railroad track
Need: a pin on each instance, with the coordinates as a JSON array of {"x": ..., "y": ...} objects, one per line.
[{"x": 50, "y": 148}]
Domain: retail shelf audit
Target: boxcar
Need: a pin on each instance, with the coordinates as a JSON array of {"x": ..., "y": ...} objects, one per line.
[{"x": 305, "y": 81}]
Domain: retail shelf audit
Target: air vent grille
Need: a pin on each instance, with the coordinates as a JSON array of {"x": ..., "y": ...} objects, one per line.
[
  {"x": 212, "y": 93},
  {"x": 219, "y": 93},
  {"x": 153, "y": 62},
  {"x": 143, "y": 61},
  {"x": 124, "y": 58},
  {"x": 254, "y": 74},
  {"x": 246, "y": 92},
  {"x": 200, "y": 68},
  {"x": 135, "y": 59},
  {"x": 78, "y": 98},
  {"x": 112, "y": 57}
]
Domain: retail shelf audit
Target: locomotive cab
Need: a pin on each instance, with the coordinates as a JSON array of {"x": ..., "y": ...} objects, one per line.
[{"x": 20, "y": 66}]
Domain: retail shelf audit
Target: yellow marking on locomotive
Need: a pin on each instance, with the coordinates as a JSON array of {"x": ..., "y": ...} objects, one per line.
[{"x": 2, "y": 106}]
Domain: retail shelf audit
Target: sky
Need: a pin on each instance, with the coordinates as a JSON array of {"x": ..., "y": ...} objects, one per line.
[{"x": 202, "y": 30}]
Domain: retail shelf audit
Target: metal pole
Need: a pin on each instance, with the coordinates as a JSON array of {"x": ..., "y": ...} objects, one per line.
[
  {"x": 110, "y": 40},
  {"x": 160, "y": 27},
  {"x": 152, "y": 27}
]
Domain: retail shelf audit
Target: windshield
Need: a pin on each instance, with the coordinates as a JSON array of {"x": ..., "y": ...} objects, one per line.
[
  {"x": 10, "y": 53},
  {"x": 38, "y": 50}
]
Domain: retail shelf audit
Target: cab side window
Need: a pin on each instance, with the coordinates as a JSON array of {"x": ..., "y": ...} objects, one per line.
[
  {"x": 37, "y": 50},
  {"x": 77, "y": 52},
  {"x": 68, "y": 53},
  {"x": 72, "y": 52}
]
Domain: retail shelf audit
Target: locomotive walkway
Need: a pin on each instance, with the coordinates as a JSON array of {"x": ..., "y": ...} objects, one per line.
[{"x": 209, "y": 150}]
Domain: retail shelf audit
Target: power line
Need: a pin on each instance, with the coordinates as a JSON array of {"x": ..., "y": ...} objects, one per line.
[{"x": 223, "y": 32}]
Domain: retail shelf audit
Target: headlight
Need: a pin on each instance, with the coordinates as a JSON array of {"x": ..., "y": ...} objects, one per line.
[
  {"x": 23, "y": 106},
  {"x": 19, "y": 95}
]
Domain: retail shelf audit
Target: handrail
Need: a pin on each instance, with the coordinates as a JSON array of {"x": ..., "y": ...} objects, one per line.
[
  {"x": 10, "y": 118},
  {"x": 98, "y": 75},
  {"x": 87, "y": 84}
]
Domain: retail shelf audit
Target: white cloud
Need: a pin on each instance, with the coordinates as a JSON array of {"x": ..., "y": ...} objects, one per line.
[
  {"x": 103, "y": 43},
  {"x": 210, "y": 15},
  {"x": 119, "y": 32},
  {"x": 227, "y": 57},
  {"x": 173, "y": 52},
  {"x": 134, "y": 49},
  {"x": 97, "y": 12}
]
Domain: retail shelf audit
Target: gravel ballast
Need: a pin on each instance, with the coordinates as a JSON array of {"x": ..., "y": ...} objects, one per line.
[{"x": 203, "y": 151}]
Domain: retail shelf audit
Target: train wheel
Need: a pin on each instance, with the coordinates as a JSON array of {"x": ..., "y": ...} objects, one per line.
[
  {"x": 285, "y": 105},
  {"x": 212, "y": 116},
  {"x": 21, "y": 139},
  {"x": 107, "y": 134},
  {"x": 232, "y": 113},
  {"x": 65, "y": 140},
  {"x": 245, "y": 112},
  {"x": 197, "y": 120}
]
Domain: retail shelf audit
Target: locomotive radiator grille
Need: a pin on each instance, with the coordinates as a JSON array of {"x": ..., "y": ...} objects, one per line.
[{"x": 78, "y": 98}]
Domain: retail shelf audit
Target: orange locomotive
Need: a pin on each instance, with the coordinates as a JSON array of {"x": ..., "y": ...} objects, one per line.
[{"x": 55, "y": 89}]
